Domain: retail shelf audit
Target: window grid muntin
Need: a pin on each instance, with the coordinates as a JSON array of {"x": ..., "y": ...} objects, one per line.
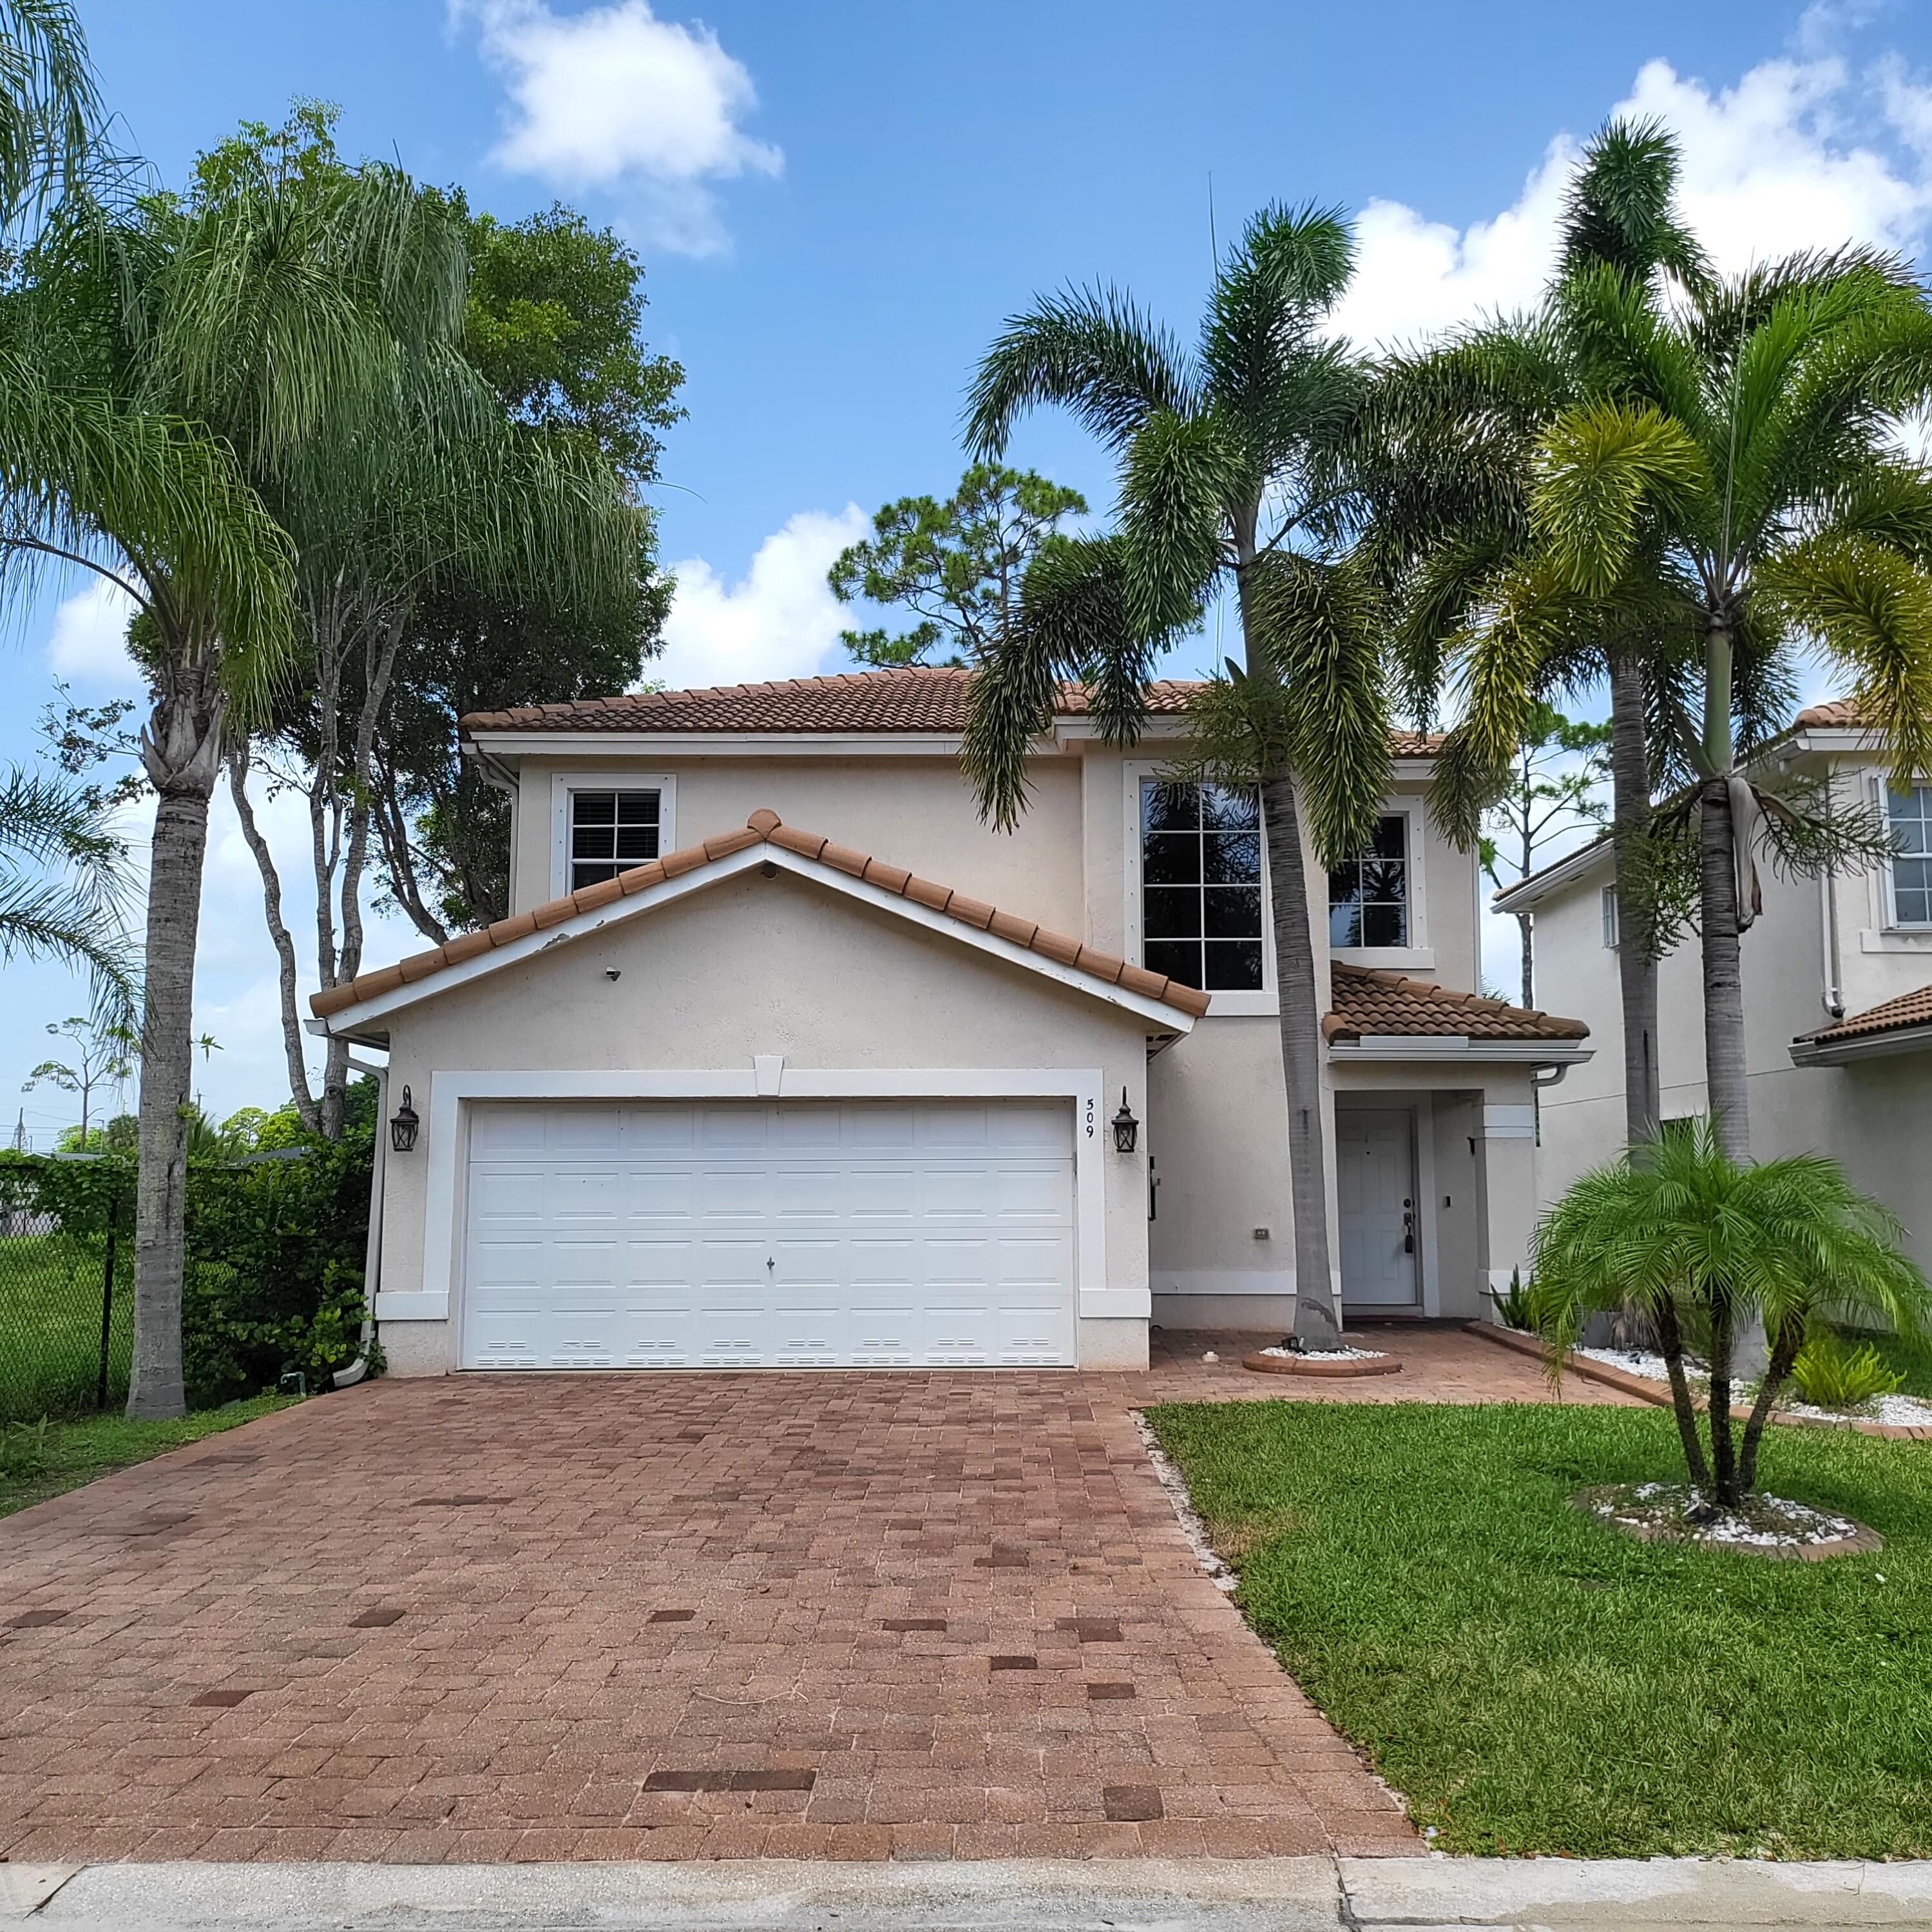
[
  {"x": 1368, "y": 895},
  {"x": 1201, "y": 886},
  {"x": 612, "y": 829},
  {"x": 1909, "y": 816}
]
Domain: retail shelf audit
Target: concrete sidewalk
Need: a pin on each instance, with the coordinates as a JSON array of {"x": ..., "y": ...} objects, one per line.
[{"x": 1122, "y": 1894}]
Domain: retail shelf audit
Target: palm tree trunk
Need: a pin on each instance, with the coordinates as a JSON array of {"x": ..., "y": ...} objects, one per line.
[
  {"x": 1724, "y": 1455},
  {"x": 1526, "y": 925},
  {"x": 1298, "y": 1002},
  {"x": 1724, "y": 983},
  {"x": 1636, "y": 954},
  {"x": 181, "y": 750},
  {"x": 1670, "y": 1339},
  {"x": 1783, "y": 1353}
]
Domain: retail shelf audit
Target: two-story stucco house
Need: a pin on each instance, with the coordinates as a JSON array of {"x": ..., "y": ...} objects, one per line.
[
  {"x": 1838, "y": 1008},
  {"x": 783, "y": 1058}
]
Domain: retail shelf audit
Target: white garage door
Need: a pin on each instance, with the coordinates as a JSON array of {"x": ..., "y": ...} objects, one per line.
[{"x": 769, "y": 1234}]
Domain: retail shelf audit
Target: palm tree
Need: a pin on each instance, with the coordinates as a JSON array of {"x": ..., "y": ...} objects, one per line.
[
  {"x": 1740, "y": 452},
  {"x": 1228, "y": 475},
  {"x": 1702, "y": 1242},
  {"x": 1453, "y": 434},
  {"x": 49, "y": 108},
  {"x": 63, "y": 889},
  {"x": 160, "y": 352}
]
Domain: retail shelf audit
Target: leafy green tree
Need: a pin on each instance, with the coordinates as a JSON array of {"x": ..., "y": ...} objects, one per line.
[
  {"x": 1745, "y": 441},
  {"x": 438, "y": 483},
  {"x": 554, "y": 324},
  {"x": 1555, "y": 788},
  {"x": 1229, "y": 478},
  {"x": 1702, "y": 1243},
  {"x": 957, "y": 565},
  {"x": 98, "y": 1052}
]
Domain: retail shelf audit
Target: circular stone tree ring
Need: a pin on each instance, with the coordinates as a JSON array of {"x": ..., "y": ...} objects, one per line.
[{"x": 1338, "y": 1366}]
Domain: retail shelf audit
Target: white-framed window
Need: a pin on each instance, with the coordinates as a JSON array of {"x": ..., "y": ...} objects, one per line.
[
  {"x": 1910, "y": 815},
  {"x": 1201, "y": 886},
  {"x": 604, "y": 823},
  {"x": 1369, "y": 895},
  {"x": 1610, "y": 928}
]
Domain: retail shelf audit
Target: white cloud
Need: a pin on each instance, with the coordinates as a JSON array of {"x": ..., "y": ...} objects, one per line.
[
  {"x": 88, "y": 644},
  {"x": 615, "y": 97},
  {"x": 779, "y": 620},
  {"x": 1769, "y": 166}
]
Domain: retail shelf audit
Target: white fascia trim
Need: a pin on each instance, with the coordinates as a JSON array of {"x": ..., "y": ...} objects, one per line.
[
  {"x": 1865, "y": 1046},
  {"x": 1566, "y": 871},
  {"x": 711, "y": 744},
  {"x": 1170, "y": 1019},
  {"x": 452, "y": 1094},
  {"x": 1459, "y": 1047}
]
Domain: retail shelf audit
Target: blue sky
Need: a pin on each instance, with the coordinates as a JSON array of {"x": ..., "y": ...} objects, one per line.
[{"x": 838, "y": 203}]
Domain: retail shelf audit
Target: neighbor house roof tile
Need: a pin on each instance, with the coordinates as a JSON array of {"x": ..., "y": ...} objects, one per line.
[
  {"x": 1909, "y": 1010},
  {"x": 764, "y": 827},
  {"x": 1368, "y": 1001},
  {"x": 912, "y": 698}
]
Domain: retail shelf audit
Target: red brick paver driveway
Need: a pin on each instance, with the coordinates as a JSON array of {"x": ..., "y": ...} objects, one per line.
[{"x": 840, "y": 1615}]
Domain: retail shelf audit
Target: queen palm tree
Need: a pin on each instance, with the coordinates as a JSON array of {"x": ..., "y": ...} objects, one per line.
[
  {"x": 1453, "y": 433},
  {"x": 49, "y": 107},
  {"x": 1702, "y": 1243},
  {"x": 158, "y": 354},
  {"x": 1740, "y": 451},
  {"x": 1228, "y": 477}
]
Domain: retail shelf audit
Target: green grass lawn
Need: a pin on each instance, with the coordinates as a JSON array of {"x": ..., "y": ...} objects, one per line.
[
  {"x": 34, "y": 1466},
  {"x": 1532, "y": 1680}
]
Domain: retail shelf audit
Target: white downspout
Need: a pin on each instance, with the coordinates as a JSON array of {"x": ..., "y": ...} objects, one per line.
[{"x": 372, "y": 1260}]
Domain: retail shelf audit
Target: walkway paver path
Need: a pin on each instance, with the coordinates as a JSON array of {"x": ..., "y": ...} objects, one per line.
[{"x": 837, "y": 1616}]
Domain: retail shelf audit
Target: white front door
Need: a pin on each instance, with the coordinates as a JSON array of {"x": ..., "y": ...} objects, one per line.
[
  {"x": 1375, "y": 1161},
  {"x": 769, "y": 1235}
]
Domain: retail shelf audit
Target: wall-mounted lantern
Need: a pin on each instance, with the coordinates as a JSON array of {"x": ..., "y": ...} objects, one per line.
[
  {"x": 402, "y": 1126},
  {"x": 1126, "y": 1129}
]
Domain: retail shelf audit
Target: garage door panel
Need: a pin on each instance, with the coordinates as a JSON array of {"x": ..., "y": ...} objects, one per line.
[{"x": 769, "y": 1234}]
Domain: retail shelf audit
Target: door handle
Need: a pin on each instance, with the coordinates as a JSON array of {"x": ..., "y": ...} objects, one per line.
[{"x": 1408, "y": 1229}]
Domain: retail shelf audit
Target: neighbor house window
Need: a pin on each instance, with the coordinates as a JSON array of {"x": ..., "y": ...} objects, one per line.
[
  {"x": 610, "y": 833},
  {"x": 1610, "y": 917},
  {"x": 1368, "y": 896},
  {"x": 1910, "y": 813},
  {"x": 1201, "y": 886}
]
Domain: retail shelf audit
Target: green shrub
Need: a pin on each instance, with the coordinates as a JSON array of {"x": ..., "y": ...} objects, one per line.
[
  {"x": 1830, "y": 1375},
  {"x": 1516, "y": 1306}
]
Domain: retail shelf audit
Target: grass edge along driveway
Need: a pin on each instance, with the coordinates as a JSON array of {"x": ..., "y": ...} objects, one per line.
[
  {"x": 1533, "y": 1682},
  {"x": 34, "y": 1466}
]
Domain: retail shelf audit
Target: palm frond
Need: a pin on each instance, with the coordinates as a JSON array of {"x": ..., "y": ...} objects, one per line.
[
  {"x": 1617, "y": 211},
  {"x": 1091, "y": 351},
  {"x": 49, "y": 105}
]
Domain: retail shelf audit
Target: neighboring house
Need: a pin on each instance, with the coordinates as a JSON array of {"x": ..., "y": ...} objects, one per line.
[
  {"x": 1837, "y": 1005},
  {"x": 782, "y": 1057}
]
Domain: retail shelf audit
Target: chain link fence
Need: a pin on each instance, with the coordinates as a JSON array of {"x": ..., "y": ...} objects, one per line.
[{"x": 273, "y": 1283}]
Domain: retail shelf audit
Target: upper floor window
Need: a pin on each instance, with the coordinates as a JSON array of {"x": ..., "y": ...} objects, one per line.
[
  {"x": 1612, "y": 933},
  {"x": 610, "y": 833},
  {"x": 1368, "y": 896},
  {"x": 1910, "y": 814},
  {"x": 1200, "y": 885}
]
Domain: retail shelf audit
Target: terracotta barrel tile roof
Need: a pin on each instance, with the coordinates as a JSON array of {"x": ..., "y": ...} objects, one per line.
[
  {"x": 1839, "y": 711},
  {"x": 917, "y": 698},
  {"x": 1373, "y": 1002},
  {"x": 1909, "y": 1010},
  {"x": 765, "y": 827}
]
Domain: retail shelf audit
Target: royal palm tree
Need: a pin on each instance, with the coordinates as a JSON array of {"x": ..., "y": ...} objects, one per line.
[
  {"x": 1703, "y": 1243},
  {"x": 1228, "y": 477},
  {"x": 160, "y": 353},
  {"x": 1741, "y": 450},
  {"x": 1452, "y": 437}
]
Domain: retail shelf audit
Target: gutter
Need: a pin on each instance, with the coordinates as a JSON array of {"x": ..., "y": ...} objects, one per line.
[
  {"x": 1460, "y": 1048},
  {"x": 372, "y": 1259},
  {"x": 1876, "y": 1045}
]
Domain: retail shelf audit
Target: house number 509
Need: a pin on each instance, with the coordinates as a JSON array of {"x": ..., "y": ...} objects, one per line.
[{"x": 1090, "y": 1111}]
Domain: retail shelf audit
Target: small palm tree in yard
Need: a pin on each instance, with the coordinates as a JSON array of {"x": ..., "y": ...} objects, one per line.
[{"x": 1700, "y": 1243}]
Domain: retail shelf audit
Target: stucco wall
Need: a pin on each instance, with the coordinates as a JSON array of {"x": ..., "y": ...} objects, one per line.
[
  {"x": 776, "y": 966},
  {"x": 914, "y": 811}
]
